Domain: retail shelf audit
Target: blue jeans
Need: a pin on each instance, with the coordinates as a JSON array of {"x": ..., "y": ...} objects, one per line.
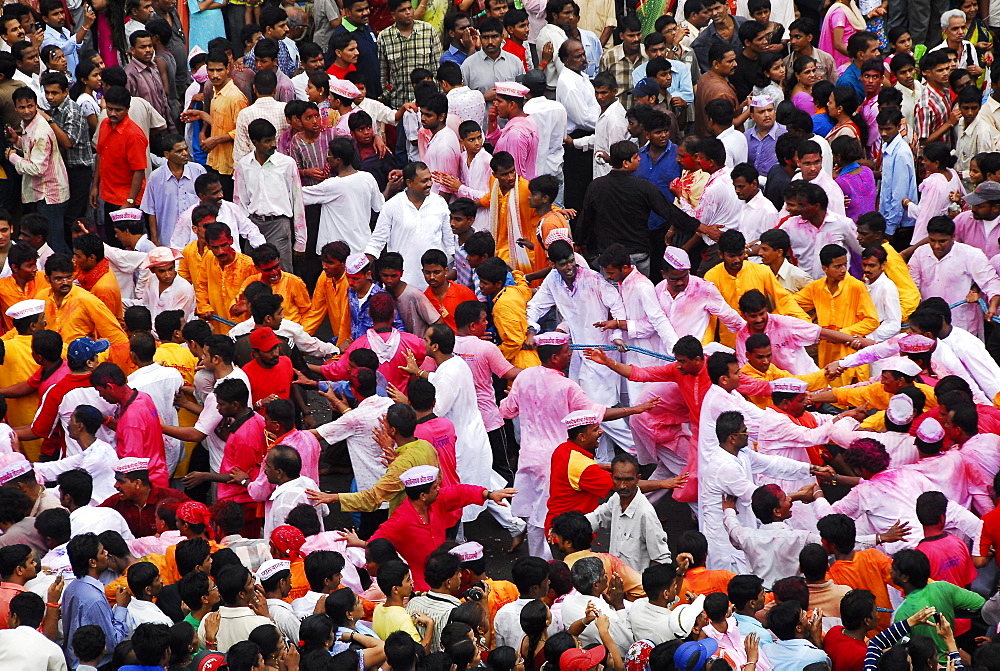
[{"x": 57, "y": 233}]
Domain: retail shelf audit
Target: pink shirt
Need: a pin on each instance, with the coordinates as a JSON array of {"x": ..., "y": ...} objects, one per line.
[
  {"x": 951, "y": 278},
  {"x": 979, "y": 234},
  {"x": 139, "y": 435},
  {"x": 950, "y": 559},
  {"x": 43, "y": 386},
  {"x": 442, "y": 153},
  {"x": 835, "y": 18},
  {"x": 789, "y": 337},
  {"x": 719, "y": 203},
  {"x": 308, "y": 448},
  {"x": 691, "y": 310},
  {"x": 440, "y": 432},
  {"x": 485, "y": 360},
  {"x": 519, "y": 137},
  {"x": 245, "y": 449},
  {"x": 338, "y": 370},
  {"x": 935, "y": 191},
  {"x": 957, "y": 478},
  {"x": 807, "y": 240}
]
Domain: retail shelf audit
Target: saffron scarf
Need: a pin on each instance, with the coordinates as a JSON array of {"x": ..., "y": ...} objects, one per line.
[
  {"x": 519, "y": 258},
  {"x": 818, "y": 454},
  {"x": 88, "y": 279}
]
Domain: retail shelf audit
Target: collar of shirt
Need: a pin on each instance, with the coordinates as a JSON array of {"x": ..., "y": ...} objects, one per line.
[
  {"x": 297, "y": 483},
  {"x": 350, "y": 27}
]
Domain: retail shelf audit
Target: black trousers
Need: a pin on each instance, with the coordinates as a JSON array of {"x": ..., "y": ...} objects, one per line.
[{"x": 578, "y": 172}]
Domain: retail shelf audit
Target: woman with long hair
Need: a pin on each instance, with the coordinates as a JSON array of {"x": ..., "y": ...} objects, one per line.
[
  {"x": 804, "y": 76},
  {"x": 535, "y": 621},
  {"x": 855, "y": 180},
  {"x": 86, "y": 90},
  {"x": 273, "y": 649},
  {"x": 845, "y": 112},
  {"x": 771, "y": 78},
  {"x": 346, "y": 610},
  {"x": 842, "y": 20},
  {"x": 940, "y": 180}
]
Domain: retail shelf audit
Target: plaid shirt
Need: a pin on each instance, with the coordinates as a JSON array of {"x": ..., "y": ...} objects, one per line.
[
  {"x": 931, "y": 112},
  {"x": 41, "y": 164},
  {"x": 398, "y": 55},
  {"x": 614, "y": 61},
  {"x": 69, "y": 117},
  {"x": 286, "y": 63}
]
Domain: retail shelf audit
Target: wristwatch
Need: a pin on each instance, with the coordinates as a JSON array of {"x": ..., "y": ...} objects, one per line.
[{"x": 130, "y": 201}]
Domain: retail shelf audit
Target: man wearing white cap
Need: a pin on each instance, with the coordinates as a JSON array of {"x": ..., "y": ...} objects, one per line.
[
  {"x": 897, "y": 373},
  {"x": 761, "y": 137},
  {"x": 20, "y": 475},
  {"x": 519, "y": 136},
  {"x": 897, "y": 440},
  {"x": 540, "y": 397},
  {"x": 951, "y": 472},
  {"x": 690, "y": 302},
  {"x": 416, "y": 528},
  {"x": 275, "y": 577},
  {"x": 167, "y": 291}
]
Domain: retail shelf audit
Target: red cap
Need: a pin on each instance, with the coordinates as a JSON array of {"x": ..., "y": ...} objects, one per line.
[
  {"x": 263, "y": 338},
  {"x": 578, "y": 659}
]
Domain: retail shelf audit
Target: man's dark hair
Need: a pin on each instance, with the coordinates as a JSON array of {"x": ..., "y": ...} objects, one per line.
[
  {"x": 783, "y": 619},
  {"x": 656, "y": 578},
  {"x": 192, "y": 587},
  {"x": 915, "y": 565},
  {"x": 743, "y": 589},
  {"x": 574, "y": 528},
  {"x": 80, "y": 550},
  {"x": 528, "y": 572},
  {"x": 77, "y": 484},
  {"x": 694, "y": 543},
  {"x": 838, "y": 530},
  {"x": 287, "y": 460},
  {"x": 480, "y": 243},
  {"x": 855, "y": 607},
  {"x": 221, "y": 346},
  {"x": 764, "y": 499},
  {"x": 813, "y": 562},
  {"x": 728, "y": 422},
  {"x": 141, "y": 575},
  {"x": 402, "y": 418},
  {"x": 931, "y": 507},
  {"x": 12, "y": 556},
  {"x": 191, "y": 553},
  {"x": 441, "y": 566},
  {"x": 29, "y": 608},
  {"x": 391, "y": 574},
  {"x": 232, "y": 580},
  {"x": 321, "y": 565},
  {"x": 89, "y": 643}
]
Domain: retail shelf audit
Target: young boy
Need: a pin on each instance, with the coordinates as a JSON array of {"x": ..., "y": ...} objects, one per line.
[
  {"x": 413, "y": 307},
  {"x": 443, "y": 294},
  {"x": 759, "y": 214},
  {"x": 144, "y": 583},
  {"x": 475, "y": 177},
  {"x": 463, "y": 213},
  {"x": 249, "y": 35},
  {"x": 542, "y": 193},
  {"x": 800, "y": 39},
  {"x": 329, "y": 298},
  {"x": 380, "y": 167},
  {"x": 975, "y": 134},
  {"x": 359, "y": 290},
  {"x": 165, "y": 290},
  {"x": 899, "y": 177},
  {"x": 774, "y": 250},
  {"x": 904, "y": 68},
  {"x": 515, "y": 22},
  {"x": 130, "y": 230},
  {"x": 761, "y": 12},
  {"x": 89, "y": 644},
  {"x": 294, "y": 109},
  {"x": 509, "y": 310}
]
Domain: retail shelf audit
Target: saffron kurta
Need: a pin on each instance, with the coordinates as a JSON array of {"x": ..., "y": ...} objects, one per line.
[
  {"x": 329, "y": 299},
  {"x": 218, "y": 287},
  {"x": 294, "y": 296},
  {"x": 527, "y": 220},
  {"x": 81, "y": 314}
]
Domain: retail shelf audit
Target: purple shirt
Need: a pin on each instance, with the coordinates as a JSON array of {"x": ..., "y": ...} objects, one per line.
[
  {"x": 520, "y": 138},
  {"x": 144, "y": 81}
]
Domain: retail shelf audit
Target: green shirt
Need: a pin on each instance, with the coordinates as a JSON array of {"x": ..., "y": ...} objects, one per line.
[
  {"x": 194, "y": 622},
  {"x": 389, "y": 487},
  {"x": 944, "y": 596}
]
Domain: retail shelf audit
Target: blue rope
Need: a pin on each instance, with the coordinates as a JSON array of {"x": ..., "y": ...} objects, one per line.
[
  {"x": 982, "y": 305},
  {"x": 613, "y": 348},
  {"x": 221, "y": 320}
]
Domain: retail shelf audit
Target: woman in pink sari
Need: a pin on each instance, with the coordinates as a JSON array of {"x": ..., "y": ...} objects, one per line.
[
  {"x": 841, "y": 21},
  {"x": 936, "y": 189}
]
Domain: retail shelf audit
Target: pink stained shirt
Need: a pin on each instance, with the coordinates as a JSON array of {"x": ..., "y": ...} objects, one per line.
[
  {"x": 338, "y": 370},
  {"x": 977, "y": 233},
  {"x": 43, "y": 385},
  {"x": 690, "y": 311},
  {"x": 719, "y": 203},
  {"x": 519, "y": 137},
  {"x": 245, "y": 449},
  {"x": 949, "y": 558},
  {"x": 835, "y": 18},
  {"x": 139, "y": 435},
  {"x": 485, "y": 360},
  {"x": 647, "y": 324},
  {"x": 440, "y": 432},
  {"x": 951, "y": 278},
  {"x": 308, "y": 448},
  {"x": 807, "y": 240},
  {"x": 789, "y": 338},
  {"x": 935, "y": 193},
  {"x": 442, "y": 153},
  {"x": 956, "y": 477}
]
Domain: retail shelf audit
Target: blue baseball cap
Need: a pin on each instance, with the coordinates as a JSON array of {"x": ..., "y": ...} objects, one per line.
[
  {"x": 694, "y": 655},
  {"x": 645, "y": 87},
  {"x": 84, "y": 349}
]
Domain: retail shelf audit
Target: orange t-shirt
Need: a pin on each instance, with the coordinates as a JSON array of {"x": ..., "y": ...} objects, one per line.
[
  {"x": 700, "y": 580},
  {"x": 456, "y": 294},
  {"x": 870, "y": 570}
]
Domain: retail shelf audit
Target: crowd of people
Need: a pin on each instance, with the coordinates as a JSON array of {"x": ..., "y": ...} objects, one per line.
[{"x": 695, "y": 304}]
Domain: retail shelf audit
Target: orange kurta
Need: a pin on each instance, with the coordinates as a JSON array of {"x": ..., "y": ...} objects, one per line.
[
  {"x": 189, "y": 266},
  {"x": 218, "y": 287},
  {"x": 295, "y": 299},
  {"x": 329, "y": 299},
  {"x": 110, "y": 293},
  {"x": 528, "y": 219},
  {"x": 11, "y": 293},
  {"x": 81, "y": 314}
]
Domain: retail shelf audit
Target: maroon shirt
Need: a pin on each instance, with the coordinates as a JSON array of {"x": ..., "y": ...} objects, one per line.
[{"x": 142, "y": 520}]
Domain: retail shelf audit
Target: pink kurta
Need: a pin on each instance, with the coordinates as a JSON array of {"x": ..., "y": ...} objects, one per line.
[
  {"x": 935, "y": 193},
  {"x": 139, "y": 435},
  {"x": 485, "y": 360},
  {"x": 540, "y": 397},
  {"x": 807, "y": 240},
  {"x": 835, "y": 18},
  {"x": 442, "y": 153},
  {"x": 337, "y": 370},
  {"x": 519, "y": 137},
  {"x": 691, "y": 310},
  {"x": 789, "y": 338},
  {"x": 980, "y": 234},
  {"x": 952, "y": 277},
  {"x": 440, "y": 432},
  {"x": 957, "y": 478},
  {"x": 308, "y": 448}
]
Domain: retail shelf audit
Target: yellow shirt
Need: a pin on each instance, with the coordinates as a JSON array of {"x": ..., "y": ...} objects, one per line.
[
  {"x": 189, "y": 266},
  {"x": 294, "y": 295},
  {"x": 388, "y": 619},
  {"x": 18, "y": 366},
  {"x": 81, "y": 314},
  {"x": 110, "y": 293},
  {"x": 329, "y": 300},
  {"x": 177, "y": 356},
  {"x": 751, "y": 276},
  {"x": 528, "y": 220},
  {"x": 11, "y": 293},
  {"x": 816, "y": 381},
  {"x": 510, "y": 317},
  {"x": 226, "y": 105},
  {"x": 876, "y": 396},
  {"x": 850, "y": 310},
  {"x": 218, "y": 287},
  {"x": 897, "y": 271}
]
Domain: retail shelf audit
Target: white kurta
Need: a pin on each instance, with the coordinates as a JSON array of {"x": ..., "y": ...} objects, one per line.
[
  {"x": 779, "y": 435},
  {"x": 717, "y": 401},
  {"x": 410, "y": 231},
  {"x": 951, "y": 278},
  {"x": 162, "y": 383},
  {"x": 647, "y": 325},
  {"x": 356, "y": 428},
  {"x": 99, "y": 460},
  {"x": 456, "y": 400},
  {"x": 885, "y": 296},
  {"x": 178, "y": 296},
  {"x": 902, "y": 447},
  {"x": 733, "y": 475},
  {"x": 347, "y": 206},
  {"x": 976, "y": 360},
  {"x": 690, "y": 311}
]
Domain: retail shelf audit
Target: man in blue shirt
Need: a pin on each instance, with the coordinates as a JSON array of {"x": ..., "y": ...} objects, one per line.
[
  {"x": 461, "y": 45},
  {"x": 764, "y": 134},
  {"x": 84, "y": 601},
  {"x": 797, "y": 635},
  {"x": 746, "y": 593},
  {"x": 862, "y": 46},
  {"x": 658, "y": 164},
  {"x": 54, "y": 16},
  {"x": 899, "y": 180}
]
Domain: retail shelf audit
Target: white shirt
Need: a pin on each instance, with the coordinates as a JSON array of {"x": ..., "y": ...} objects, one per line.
[
  {"x": 143, "y": 612},
  {"x": 410, "y": 231},
  {"x": 178, "y": 296},
  {"x": 286, "y": 496},
  {"x": 271, "y": 189},
  {"x": 647, "y": 325},
  {"x": 95, "y": 519},
  {"x": 209, "y": 420},
  {"x": 162, "y": 383},
  {"x": 68, "y": 405},
  {"x": 733, "y": 475},
  {"x": 719, "y": 203},
  {"x": 637, "y": 535},
  {"x": 348, "y": 203},
  {"x": 976, "y": 360},
  {"x": 807, "y": 240},
  {"x": 265, "y": 107},
  {"x": 284, "y": 618},
  {"x": 305, "y": 605},
  {"x": 689, "y": 311},
  {"x": 455, "y": 400},
  {"x": 833, "y": 192},
  {"x": 901, "y": 447},
  {"x": 99, "y": 460},
  {"x": 612, "y": 126},
  {"x": 576, "y": 93},
  {"x": 885, "y": 296},
  {"x": 556, "y": 35},
  {"x": 25, "y": 649},
  {"x": 295, "y": 334},
  {"x": 717, "y": 401},
  {"x": 951, "y": 277},
  {"x": 736, "y": 147},
  {"x": 649, "y": 621},
  {"x": 550, "y": 118},
  {"x": 507, "y": 624},
  {"x": 356, "y": 428},
  {"x": 779, "y": 435},
  {"x": 229, "y": 214},
  {"x": 574, "y": 607},
  {"x": 757, "y": 215},
  {"x": 132, "y": 278}
]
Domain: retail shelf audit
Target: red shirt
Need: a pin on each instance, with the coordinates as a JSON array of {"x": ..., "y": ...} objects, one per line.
[
  {"x": 8, "y": 590},
  {"x": 990, "y": 537},
  {"x": 576, "y": 482},
  {"x": 416, "y": 539},
  {"x": 141, "y": 520},
  {"x": 122, "y": 150},
  {"x": 46, "y": 424},
  {"x": 339, "y": 72},
  {"x": 44, "y": 384},
  {"x": 519, "y": 50},
  {"x": 139, "y": 435},
  {"x": 266, "y": 381},
  {"x": 440, "y": 432},
  {"x": 950, "y": 559},
  {"x": 245, "y": 450},
  {"x": 338, "y": 370},
  {"x": 846, "y": 653},
  {"x": 989, "y": 420},
  {"x": 457, "y": 293}
]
